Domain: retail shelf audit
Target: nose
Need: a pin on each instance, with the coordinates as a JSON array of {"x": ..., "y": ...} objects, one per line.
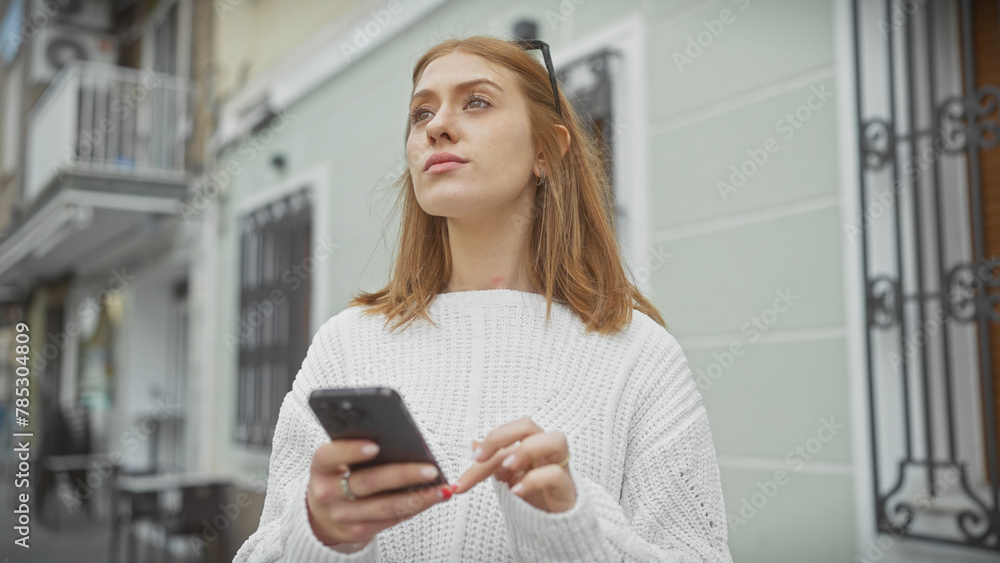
[{"x": 441, "y": 125}]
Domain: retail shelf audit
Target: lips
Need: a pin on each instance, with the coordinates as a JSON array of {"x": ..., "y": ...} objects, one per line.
[{"x": 439, "y": 157}]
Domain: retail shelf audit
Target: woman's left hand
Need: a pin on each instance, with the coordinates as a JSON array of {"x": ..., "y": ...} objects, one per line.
[{"x": 533, "y": 471}]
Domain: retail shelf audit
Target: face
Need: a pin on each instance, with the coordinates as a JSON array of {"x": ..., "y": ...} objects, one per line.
[{"x": 484, "y": 124}]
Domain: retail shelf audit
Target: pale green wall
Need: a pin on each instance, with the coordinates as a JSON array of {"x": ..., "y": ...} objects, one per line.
[
  {"x": 722, "y": 271},
  {"x": 781, "y": 229}
]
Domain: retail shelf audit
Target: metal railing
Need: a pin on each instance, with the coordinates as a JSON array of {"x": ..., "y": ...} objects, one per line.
[{"x": 101, "y": 118}]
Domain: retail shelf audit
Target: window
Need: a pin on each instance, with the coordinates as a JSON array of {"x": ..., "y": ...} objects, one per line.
[
  {"x": 602, "y": 77},
  {"x": 166, "y": 49},
  {"x": 928, "y": 94},
  {"x": 273, "y": 331},
  {"x": 587, "y": 83}
]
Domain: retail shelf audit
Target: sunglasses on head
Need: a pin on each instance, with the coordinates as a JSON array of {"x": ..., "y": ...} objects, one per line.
[{"x": 529, "y": 44}]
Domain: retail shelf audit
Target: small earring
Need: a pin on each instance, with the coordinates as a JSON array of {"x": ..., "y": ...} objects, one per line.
[{"x": 541, "y": 179}]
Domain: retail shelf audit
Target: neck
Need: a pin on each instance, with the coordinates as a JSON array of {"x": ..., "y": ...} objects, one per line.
[{"x": 489, "y": 253}]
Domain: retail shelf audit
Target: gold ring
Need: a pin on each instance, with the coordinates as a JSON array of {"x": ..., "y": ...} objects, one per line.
[
  {"x": 344, "y": 486},
  {"x": 565, "y": 461}
]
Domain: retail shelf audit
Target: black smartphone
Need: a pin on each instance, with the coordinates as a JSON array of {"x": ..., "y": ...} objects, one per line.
[{"x": 377, "y": 414}]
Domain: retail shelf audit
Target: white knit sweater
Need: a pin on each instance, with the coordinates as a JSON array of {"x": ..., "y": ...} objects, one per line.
[{"x": 643, "y": 459}]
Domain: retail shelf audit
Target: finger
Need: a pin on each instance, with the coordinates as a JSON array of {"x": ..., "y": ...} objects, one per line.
[
  {"x": 369, "y": 481},
  {"x": 335, "y": 455},
  {"x": 506, "y": 476},
  {"x": 509, "y": 477},
  {"x": 502, "y": 473},
  {"x": 537, "y": 450},
  {"x": 385, "y": 507},
  {"x": 548, "y": 479},
  {"x": 480, "y": 470},
  {"x": 507, "y": 434}
]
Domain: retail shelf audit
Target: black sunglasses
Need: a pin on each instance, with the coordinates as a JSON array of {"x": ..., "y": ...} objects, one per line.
[{"x": 529, "y": 44}]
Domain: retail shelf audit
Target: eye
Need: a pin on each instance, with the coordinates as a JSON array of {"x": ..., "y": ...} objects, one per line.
[
  {"x": 415, "y": 113},
  {"x": 475, "y": 98},
  {"x": 469, "y": 98}
]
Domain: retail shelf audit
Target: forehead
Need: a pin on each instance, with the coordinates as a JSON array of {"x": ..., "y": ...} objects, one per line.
[{"x": 448, "y": 70}]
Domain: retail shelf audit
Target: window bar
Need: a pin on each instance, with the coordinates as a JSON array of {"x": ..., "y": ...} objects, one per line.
[
  {"x": 942, "y": 263},
  {"x": 179, "y": 126},
  {"x": 114, "y": 136},
  {"x": 99, "y": 140},
  {"x": 241, "y": 347},
  {"x": 87, "y": 110},
  {"x": 900, "y": 272},
  {"x": 128, "y": 125},
  {"x": 860, "y": 123},
  {"x": 254, "y": 337},
  {"x": 915, "y": 183},
  {"x": 155, "y": 142}
]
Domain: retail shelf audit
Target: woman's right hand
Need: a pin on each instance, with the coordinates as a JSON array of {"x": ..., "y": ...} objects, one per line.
[{"x": 335, "y": 519}]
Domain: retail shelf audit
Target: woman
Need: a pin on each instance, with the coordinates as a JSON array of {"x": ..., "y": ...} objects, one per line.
[{"x": 538, "y": 355}]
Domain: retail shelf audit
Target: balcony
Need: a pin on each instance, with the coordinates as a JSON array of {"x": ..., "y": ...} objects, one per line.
[
  {"x": 99, "y": 119},
  {"x": 104, "y": 169}
]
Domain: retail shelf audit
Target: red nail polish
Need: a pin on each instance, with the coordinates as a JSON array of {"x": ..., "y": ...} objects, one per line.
[
  {"x": 446, "y": 493},
  {"x": 454, "y": 488}
]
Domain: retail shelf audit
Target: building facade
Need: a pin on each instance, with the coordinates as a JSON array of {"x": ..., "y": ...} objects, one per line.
[{"x": 804, "y": 189}]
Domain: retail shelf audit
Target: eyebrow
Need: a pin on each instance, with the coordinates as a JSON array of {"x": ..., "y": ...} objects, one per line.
[{"x": 460, "y": 86}]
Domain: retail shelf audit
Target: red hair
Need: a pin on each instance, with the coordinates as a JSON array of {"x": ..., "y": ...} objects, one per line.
[{"x": 574, "y": 254}]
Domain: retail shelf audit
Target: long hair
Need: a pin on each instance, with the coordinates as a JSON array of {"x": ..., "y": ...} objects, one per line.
[{"x": 574, "y": 255}]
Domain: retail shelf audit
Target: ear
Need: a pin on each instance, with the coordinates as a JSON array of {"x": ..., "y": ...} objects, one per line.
[{"x": 562, "y": 134}]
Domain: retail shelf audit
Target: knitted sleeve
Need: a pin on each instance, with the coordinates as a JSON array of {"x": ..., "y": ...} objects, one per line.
[
  {"x": 670, "y": 507},
  {"x": 284, "y": 532}
]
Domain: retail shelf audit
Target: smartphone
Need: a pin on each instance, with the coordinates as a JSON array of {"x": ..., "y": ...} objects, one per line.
[{"x": 377, "y": 414}]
